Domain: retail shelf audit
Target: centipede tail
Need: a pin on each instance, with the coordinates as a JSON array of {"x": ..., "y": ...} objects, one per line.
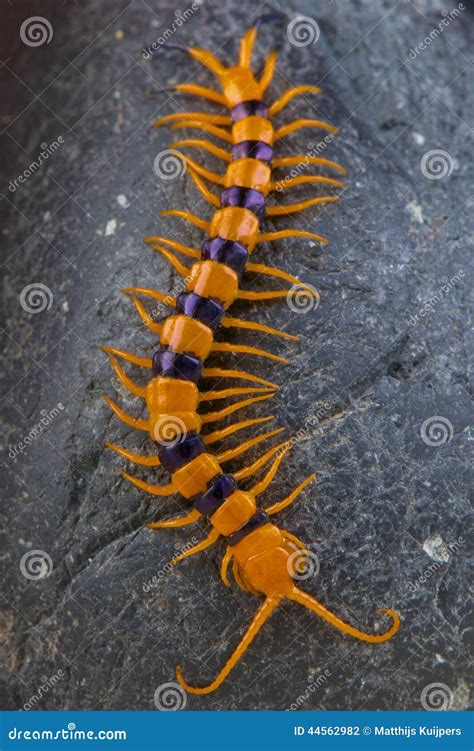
[{"x": 259, "y": 552}]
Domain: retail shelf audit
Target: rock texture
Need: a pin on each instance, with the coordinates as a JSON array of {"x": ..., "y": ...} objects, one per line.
[{"x": 383, "y": 363}]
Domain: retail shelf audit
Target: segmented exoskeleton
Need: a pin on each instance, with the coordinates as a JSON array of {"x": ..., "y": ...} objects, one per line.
[{"x": 260, "y": 550}]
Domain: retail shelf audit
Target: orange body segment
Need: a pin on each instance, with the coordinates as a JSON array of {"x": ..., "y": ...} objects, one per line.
[
  {"x": 213, "y": 279},
  {"x": 253, "y": 128},
  {"x": 249, "y": 173},
  {"x": 235, "y": 223},
  {"x": 184, "y": 334},
  {"x": 194, "y": 476},
  {"x": 234, "y": 512}
]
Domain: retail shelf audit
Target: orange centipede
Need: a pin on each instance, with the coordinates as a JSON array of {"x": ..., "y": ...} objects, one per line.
[{"x": 259, "y": 551}]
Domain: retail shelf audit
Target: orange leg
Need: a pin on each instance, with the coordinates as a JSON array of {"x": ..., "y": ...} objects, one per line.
[
  {"x": 178, "y": 521},
  {"x": 204, "y": 191},
  {"x": 261, "y": 486},
  {"x": 199, "y": 223},
  {"x": 206, "y": 128},
  {"x": 207, "y": 59},
  {"x": 225, "y": 565},
  {"x": 231, "y": 373},
  {"x": 262, "y": 615},
  {"x": 127, "y": 382},
  {"x": 191, "y": 88},
  {"x": 217, "y": 435},
  {"x": 292, "y": 207},
  {"x": 268, "y": 71},
  {"x": 252, "y": 468},
  {"x": 280, "y": 505},
  {"x": 207, "y": 145},
  {"x": 146, "y": 461},
  {"x": 191, "y": 252},
  {"x": 303, "y": 123},
  {"x": 143, "y": 362},
  {"x": 180, "y": 267},
  {"x": 273, "y": 295},
  {"x": 243, "y": 447},
  {"x": 212, "y": 537},
  {"x": 259, "y": 268},
  {"x": 212, "y": 176},
  {"x": 303, "y": 159},
  {"x": 225, "y": 347},
  {"x": 290, "y": 94},
  {"x": 214, "y": 416},
  {"x": 127, "y": 419},
  {"x": 162, "y": 491},
  {"x": 202, "y": 116},
  {"x": 246, "y": 47},
  {"x": 281, "y": 234},
  {"x": 293, "y": 182},
  {"x": 157, "y": 328},
  {"x": 153, "y": 293},
  {"x": 208, "y": 396},
  {"x": 311, "y": 604},
  {"x": 238, "y": 323}
]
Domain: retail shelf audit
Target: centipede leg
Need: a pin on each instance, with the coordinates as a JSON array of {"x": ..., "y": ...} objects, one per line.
[
  {"x": 303, "y": 598},
  {"x": 212, "y": 537},
  {"x": 134, "y": 388},
  {"x": 225, "y": 565},
  {"x": 262, "y": 615},
  {"x": 290, "y": 94},
  {"x": 145, "y": 461},
  {"x": 163, "y": 491},
  {"x": 268, "y": 71},
  {"x": 300, "y": 206},
  {"x": 243, "y": 447},
  {"x": 201, "y": 91},
  {"x": 178, "y": 521},
  {"x": 280, "y": 505},
  {"x": 220, "y": 414},
  {"x": 203, "y": 144},
  {"x": 232, "y": 373},
  {"x": 143, "y": 362},
  {"x": 218, "y": 435},
  {"x": 133, "y": 422},
  {"x": 192, "y": 218},
  {"x": 261, "y": 486},
  {"x": 204, "y": 191},
  {"x": 263, "y": 459}
]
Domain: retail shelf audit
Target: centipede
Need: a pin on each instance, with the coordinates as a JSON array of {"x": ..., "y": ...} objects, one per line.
[{"x": 257, "y": 550}]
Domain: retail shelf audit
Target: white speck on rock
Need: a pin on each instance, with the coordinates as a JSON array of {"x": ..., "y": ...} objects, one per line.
[
  {"x": 418, "y": 138},
  {"x": 111, "y": 227},
  {"x": 122, "y": 200},
  {"x": 436, "y": 549},
  {"x": 415, "y": 211},
  {"x": 65, "y": 306}
]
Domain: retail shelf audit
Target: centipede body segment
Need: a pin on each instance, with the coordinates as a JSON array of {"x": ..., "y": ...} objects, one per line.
[{"x": 259, "y": 551}]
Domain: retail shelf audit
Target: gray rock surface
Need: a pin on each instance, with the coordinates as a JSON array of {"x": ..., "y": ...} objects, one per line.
[{"x": 386, "y": 351}]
